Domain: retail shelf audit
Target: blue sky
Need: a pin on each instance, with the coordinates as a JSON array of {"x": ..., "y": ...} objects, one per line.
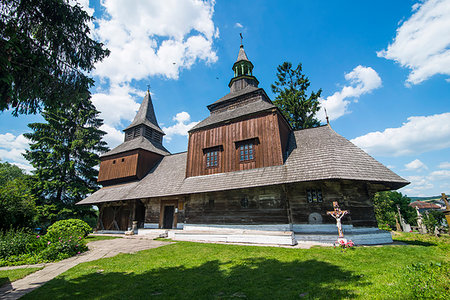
[{"x": 384, "y": 68}]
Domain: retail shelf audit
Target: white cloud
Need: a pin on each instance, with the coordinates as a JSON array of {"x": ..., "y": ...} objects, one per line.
[
  {"x": 238, "y": 25},
  {"x": 181, "y": 127},
  {"x": 422, "y": 43},
  {"x": 154, "y": 37},
  {"x": 419, "y": 134},
  {"x": 420, "y": 186},
  {"x": 440, "y": 175},
  {"x": 416, "y": 165},
  {"x": 362, "y": 80},
  {"x": 117, "y": 104},
  {"x": 113, "y": 136},
  {"x": 12, "y": 149},
  {"x": 444, "y": 165}
]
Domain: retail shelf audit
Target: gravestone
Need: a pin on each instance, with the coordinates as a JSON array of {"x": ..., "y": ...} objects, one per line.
[{"x": 405, "y": 226}]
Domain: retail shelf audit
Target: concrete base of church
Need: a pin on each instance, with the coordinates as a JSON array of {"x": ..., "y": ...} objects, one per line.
[{"x": 280, "y": 234}]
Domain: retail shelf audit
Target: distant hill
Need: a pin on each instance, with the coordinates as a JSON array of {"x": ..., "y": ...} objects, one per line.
[{"x": 425, "y": 199}]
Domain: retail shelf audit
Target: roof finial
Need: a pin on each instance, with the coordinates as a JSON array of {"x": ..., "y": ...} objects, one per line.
[
  {"x": 241, "y": 39},
  {"x": 326, "y": 116},
  {"x": 148, "y": 88}
]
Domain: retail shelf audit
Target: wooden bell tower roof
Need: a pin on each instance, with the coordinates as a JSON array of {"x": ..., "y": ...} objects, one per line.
[{"x": 146, "y": 115}]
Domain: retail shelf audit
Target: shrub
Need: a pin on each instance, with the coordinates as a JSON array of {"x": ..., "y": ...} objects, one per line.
[
  {"x": 67, "y": 228},
  {"x": 428, "y": 281},
  {"x": 63, "y": 248},
  {"x": 17, "y": 242},
  {"x": 385, "y": 227}
]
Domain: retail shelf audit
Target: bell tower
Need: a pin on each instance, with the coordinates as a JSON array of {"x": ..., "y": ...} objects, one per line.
[{"x": 243, "y": 73}]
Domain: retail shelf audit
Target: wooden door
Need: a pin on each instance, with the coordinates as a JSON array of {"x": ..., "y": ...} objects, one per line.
[{"x": 168, "y": 216}]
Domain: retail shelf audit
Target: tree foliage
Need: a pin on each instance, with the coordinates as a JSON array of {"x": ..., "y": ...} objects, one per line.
[
  {"x": 17, "y": 202},
  {"x": 64, "y": 152},
  {"x": 292, "y": 99},
  {"x": 45, "y": 52},
  {"x": 385, "y": 204}
]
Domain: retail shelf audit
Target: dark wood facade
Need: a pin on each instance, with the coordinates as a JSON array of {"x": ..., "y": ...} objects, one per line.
[
  {"x": 268, "y": 131},
  {"x": 130, "y": 165}
]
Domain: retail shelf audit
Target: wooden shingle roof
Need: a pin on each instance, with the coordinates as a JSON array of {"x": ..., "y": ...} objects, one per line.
[
  {"x": 313, "y": 154},
  {"x": 137, "y": 143}
]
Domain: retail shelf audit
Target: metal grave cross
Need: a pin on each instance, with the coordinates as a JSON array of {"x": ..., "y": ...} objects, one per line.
[{"x": 337, "y": 213}]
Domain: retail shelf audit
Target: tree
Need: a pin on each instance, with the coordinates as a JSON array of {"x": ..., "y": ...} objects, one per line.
[
  {"x": 385, "y": 205},
  {"x": 64, "y": 152},
  {"x": 45, "y": 52},
  {"x": 292, "y": 99},
  {"x": 17, "y": 202}
]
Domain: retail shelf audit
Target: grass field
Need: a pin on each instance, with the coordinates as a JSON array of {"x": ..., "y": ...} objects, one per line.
[
  {"x": 93, "y": 238},
  {"x": 7, "y": 276},
  {"x": 185, "y": 270}
]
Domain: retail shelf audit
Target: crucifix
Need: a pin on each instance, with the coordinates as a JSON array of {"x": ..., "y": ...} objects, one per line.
[
  {"x": 337, "y": 213},
  {"x": 447, "y": 205}
]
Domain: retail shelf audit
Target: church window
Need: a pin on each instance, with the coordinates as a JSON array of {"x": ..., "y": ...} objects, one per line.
[
  {"x": 314, "y": 195},
  {"x": 247, "y": 151},
  {"x": 123, "y": 159},
  {"x": 211, "y": 203},
  {"x": 128, "y": 135},
  {"x": 114, "y": 162},
  {"x": 244, "y": 202},
  {"x": 212, "y": 158}
]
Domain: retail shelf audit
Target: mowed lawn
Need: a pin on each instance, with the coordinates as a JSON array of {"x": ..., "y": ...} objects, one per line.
[{"x": 185, "y": 270}]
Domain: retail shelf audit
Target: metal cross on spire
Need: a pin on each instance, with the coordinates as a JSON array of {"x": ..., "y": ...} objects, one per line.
[
  {"x": 148, "y": 88},
  {"x": 337, "y": 213},
  {"x": 240, "y": 34}
]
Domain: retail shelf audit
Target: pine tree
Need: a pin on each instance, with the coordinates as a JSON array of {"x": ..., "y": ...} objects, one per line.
[
  {"x": 292, "y": 99},
  {"x": 64, "y": 152}
]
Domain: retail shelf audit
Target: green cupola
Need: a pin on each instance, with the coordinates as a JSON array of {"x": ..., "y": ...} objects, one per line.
[{"x": 243, "y": 73}]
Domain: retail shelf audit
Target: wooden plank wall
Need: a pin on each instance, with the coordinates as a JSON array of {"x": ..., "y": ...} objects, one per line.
[
  {"x": 133, "y": 164},
  {"x": 266, "y": 205},
  {"x": 351, "y": 195},
  {"x": 268, "y": 151}
]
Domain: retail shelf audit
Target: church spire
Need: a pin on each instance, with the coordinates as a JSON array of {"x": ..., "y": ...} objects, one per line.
[
  {"x": 243, "y": 72},
  {"x": 145, "y": 123}
]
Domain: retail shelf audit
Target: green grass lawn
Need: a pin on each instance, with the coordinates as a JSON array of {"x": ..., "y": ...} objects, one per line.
[
  {"x": 7, "y": 276},
  {"x": 93, "y": 238},
  {"x": 186, "y": 270}
]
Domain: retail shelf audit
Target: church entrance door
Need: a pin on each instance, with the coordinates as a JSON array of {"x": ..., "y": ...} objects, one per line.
[{"x": 168, "y": 216}]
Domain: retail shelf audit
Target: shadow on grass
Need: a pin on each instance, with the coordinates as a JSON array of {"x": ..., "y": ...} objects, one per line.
[
  {"x": 417, "y": 243},
  {"x": 4, "y": 281},
  {"x": 251, "y": 279}
]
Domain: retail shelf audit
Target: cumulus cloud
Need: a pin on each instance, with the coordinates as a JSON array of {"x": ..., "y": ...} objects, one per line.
[
  {"x": 422, "y": 43},
  {"x": 12, "y": 149},
  {"x": 444, "y": 165},
  {"x": 362, "y": 80},
  {"x": 238, "y": 25},
  {"x": 416, "y": 165},
  {"x": 117, "y": 103},
  {"x": 154, "y": 37},
  {"x": 419, "y": 134},
  {"x": 420, "y": 186},
  {"x": 181, "y": 127},
  {"x": 440, "y": 175},
  {"x": 113, "y": 136}
]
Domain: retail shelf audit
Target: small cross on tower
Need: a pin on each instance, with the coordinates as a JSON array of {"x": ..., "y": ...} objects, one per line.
[
  {"x": 240, "y": 34},
  {"x": 337, "y": 213}
]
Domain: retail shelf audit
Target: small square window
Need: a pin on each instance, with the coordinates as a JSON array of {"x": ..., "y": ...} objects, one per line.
[
  {"x": 123, "y": 159},
  {"x": 247, "y": 151},
  {"x": 114, "y": 162},
  {"x": 212, "y": 158},
  {"x": 211, "y": 203},
  {"x": 244, "y": 202},
  {"x": 314, "y": 195}
]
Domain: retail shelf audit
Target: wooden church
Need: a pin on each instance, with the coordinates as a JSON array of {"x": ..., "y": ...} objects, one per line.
[{"x": 244, "y": 168}]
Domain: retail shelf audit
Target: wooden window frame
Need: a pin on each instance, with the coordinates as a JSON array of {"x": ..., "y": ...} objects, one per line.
[
  {"x": 217, "y": 150},
  {"x": 314, "y": 195},
  {"x": 248, "y": 142}
]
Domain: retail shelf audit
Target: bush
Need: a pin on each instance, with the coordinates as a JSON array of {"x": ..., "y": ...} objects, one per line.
[
  {"x": 65, "y": 229},
  {"x": 17, "y": 242},
  {"x": 384, "y": 227},
  {"x": 63, "y": 248},
  {"x": 428, "y": 281}
]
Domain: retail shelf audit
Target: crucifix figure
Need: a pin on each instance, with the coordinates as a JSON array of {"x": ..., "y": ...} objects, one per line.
[
  {"x": 337, "y": 213},
  {"x": 447, "y": 205}
]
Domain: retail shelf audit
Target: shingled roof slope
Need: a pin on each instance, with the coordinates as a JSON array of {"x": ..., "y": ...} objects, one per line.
[
  {"x": 247, "y": 90},
  {"x": 314, "y": 154},
  {"x": 137, "y": 143},
  {"x": 237, "y": 112}
]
